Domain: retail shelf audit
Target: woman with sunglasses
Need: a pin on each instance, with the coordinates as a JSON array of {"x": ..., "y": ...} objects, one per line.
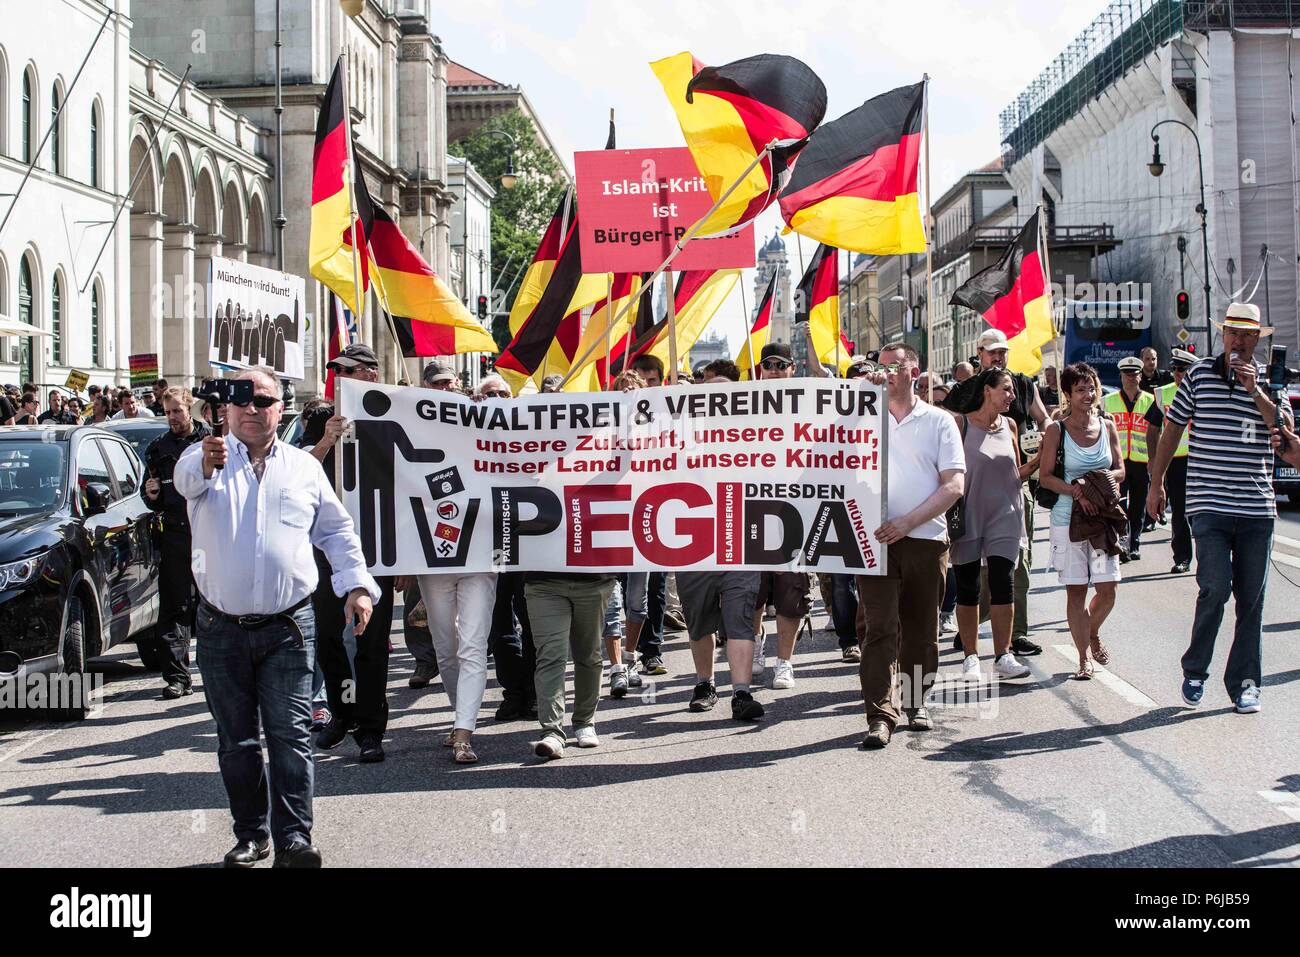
[{"x": 994, "y": 519}]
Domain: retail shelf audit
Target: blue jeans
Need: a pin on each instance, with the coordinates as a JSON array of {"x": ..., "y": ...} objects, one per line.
[
  {"x": 264, "y": 674},
  {"x": 844, "y": 609},
  {"x": 1232, "y": 556},
  {"x": 652, "y": 632}
]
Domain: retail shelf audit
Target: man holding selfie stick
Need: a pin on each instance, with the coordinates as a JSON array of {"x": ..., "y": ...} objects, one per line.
[
  {"x": 1230, "y": 502},
  {"x": 256, "y": 508}
]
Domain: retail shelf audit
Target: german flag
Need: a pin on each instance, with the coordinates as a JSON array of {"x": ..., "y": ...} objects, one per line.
[
  {"x": 1013, "y": 296},
  {"x": 854, "y": 185},
  {"x": 439, "y": 324},
  {"x": 699, "y": 294},
  {"x": 547, "y": 340},
  {"x": 543, "y": 264},
  {"x": 730, "y": 114},
  {"x": 330, "y": 245},
  {"x": 817, "y": 303},
  {"x": 759, "y": 333}
]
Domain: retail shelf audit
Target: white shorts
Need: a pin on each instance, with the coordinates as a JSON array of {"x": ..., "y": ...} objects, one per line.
[{"x": 1078, "y": 563}]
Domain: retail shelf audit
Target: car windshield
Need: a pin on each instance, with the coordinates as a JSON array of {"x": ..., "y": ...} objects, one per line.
[
  {"x": 139, "y": 437},
  {"x": 32, "y": 477}
]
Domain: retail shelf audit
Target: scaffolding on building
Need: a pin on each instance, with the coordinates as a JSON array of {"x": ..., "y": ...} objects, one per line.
[{"x": 1120, "y": 38}]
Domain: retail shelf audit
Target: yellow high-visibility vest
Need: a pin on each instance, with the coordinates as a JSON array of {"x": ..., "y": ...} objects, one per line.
[
  {"x": 1132, "y": 426},
  {"x": 1165, "y": 398}
]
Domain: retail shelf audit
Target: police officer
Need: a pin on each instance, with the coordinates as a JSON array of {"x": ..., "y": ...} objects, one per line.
[
  {"x": 175, "y": 577},
  {"x": 1138, "y": 420},
  {"x": 1176, "y": 475}
]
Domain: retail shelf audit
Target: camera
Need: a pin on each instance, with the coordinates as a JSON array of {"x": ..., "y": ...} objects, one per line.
[
  {"x": 1279, "y": 377},
  {"x": 225, "y": 391}
]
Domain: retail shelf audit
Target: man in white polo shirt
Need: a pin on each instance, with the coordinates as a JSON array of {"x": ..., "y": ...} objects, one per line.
[{"x": 927, "y": 468}]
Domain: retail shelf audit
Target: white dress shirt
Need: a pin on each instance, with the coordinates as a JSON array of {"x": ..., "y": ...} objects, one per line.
[
  {"x": 253, "y": 539},
  {"x": 140, "y": 413},
  {"x": 924, "y": 444}
]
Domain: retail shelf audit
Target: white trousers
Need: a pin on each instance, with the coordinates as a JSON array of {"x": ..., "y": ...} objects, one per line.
[{"x": 460, "y": 617}]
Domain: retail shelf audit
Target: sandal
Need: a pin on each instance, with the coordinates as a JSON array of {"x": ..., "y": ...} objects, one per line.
[
  {"x": 462, "y": 753},
  {"x": 450, "y": 740},
  {"x": 1100, "y": 653},
  {"x": 1084, "y": 673}
]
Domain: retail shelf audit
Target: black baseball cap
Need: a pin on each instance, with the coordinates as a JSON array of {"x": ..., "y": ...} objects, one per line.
[
  {"x": 777, "y": 350},
  {"x": 355, "y": 355}
]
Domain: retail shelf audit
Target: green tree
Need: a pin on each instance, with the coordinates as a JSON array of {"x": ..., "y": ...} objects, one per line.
[{"x": 519, "y": 215}]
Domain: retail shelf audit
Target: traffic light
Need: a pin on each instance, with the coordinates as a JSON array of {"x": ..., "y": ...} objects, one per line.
[
  {"x": 1183, "y": 304},
  {"x": 484, "y": 362},
  {"x": 482, "y": 307}
]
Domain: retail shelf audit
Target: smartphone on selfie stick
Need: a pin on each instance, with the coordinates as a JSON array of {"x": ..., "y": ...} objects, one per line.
[{"x": 1279, "y": 376}]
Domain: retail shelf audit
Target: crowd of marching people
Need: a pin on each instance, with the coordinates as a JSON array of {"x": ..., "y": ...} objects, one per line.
[{"x": 296, "y": 639}]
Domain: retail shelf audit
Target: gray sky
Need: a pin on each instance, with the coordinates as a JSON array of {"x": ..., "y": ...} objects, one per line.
[{"x": 576, "y": 59}]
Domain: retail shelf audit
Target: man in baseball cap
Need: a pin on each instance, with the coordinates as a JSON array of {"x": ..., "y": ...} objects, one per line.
[
  {"x": 440, "y": 374},
  {"x": 353, "y": 357}
]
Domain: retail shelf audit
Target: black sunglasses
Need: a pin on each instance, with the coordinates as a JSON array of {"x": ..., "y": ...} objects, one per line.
[
  {"x": 775, "y": 365},
  {"x": 259, "y": 401}
]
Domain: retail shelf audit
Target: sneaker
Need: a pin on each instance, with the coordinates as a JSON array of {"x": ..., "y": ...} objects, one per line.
[
  {"x": 319, "y": 718},
  {"x": 1023, "y": 646},
  {"x": 970, "y": 668},
  {"x": 1135, "y": 555},
  {"x": 1193, "y": 691},
  {"x": 372, "y": 748},
  {"x": 423, "y": 675},
  {"x": 918, "y": 719},
  {"x": 673, "y": 621},
  {"x": 1248, "y": 701},
  {"x": 634, "y": 679},
  {"x": 1008, "y": 667},
  {"x": 760, "y": 659},
  {"x": 783, "y": 675},
  {"x": 744, "y": 707},
  {"x": 332, "y": 735},
  {"x": 878, "y": 734},
  {"x": 1182, "y": 568},
  {"x": 586, "y": 737},
  {"x": 851, "y": 654},
  {"x": 176, "y": 690},
  {"x": 618, "y": 681},
  {"x": 705, "y": 697},
  {"x": 511, "y": 711},
  {"x": 654, "y": 665},
  {"x": 550, "y": 747},
  {"x": 948, "y": 624}
]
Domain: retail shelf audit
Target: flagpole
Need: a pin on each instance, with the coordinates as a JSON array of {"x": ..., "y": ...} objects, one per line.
[
  {"x": 609, "y": 326},
  {"x": 672, "y": 326},
  {"x": 681, "y": 244},
  {"x": 1047, "y": 268},
  {"x": 749, "y": 334},
  {"x": 929, "y": 250},
  {"x": 359, "y": 302},
  {"x": 839, "y": 331}
]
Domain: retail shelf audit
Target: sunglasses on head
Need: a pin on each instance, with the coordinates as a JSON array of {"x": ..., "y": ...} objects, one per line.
[
  {"x": 258, "y": 401},
  {"x": 776, "y": 365}
]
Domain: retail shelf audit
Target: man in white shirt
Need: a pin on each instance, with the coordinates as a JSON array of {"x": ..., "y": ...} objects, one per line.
[
  {"x": 131, "y": 409},
  {"x": 927, "y": 467},
  {"x": 256, "y": 508}
]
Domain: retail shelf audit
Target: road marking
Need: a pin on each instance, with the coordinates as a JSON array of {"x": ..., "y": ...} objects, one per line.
[
  {"x": 1288, "y": 542},
  {"x": 1285, "y": 801},
  {"x": 1111, "y": 680},
  {"x": 1286, "y": 559}
]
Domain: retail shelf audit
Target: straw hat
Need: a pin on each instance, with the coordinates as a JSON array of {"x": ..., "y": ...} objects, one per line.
[{"x": 1244, "y": 317}]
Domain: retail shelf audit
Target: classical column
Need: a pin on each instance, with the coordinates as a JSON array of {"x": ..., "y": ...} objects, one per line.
[
  {"x": 176, "y": 363},
  {"x": 205, "y": 247},
  {"x": 146, "y": 284}
]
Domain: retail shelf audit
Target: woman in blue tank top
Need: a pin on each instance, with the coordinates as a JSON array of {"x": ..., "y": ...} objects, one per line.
[{"x": 1091, "y": 443}]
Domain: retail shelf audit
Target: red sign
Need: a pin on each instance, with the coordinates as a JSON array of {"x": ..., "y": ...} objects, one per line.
[{"x": 636, "y": 205}]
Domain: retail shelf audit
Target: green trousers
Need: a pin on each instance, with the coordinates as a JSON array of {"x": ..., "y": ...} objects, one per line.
[{"x": 567, "y": 616}]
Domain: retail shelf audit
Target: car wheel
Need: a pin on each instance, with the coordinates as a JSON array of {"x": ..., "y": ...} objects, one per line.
[{"x": 74, "y": 665}]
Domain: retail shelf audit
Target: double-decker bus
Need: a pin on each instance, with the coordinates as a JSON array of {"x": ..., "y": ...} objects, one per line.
[{"x": 1101, "y": 332}]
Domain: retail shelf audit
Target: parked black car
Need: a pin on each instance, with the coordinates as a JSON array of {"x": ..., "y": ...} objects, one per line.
[
  {"x": 138, "y": 432},
  {"x": 78, "y": 559}
]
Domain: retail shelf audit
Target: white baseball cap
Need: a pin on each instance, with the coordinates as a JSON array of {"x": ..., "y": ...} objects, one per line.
[{"x": 991, "y": 339}]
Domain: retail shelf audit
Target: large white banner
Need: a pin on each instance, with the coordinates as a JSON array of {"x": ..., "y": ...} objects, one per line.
[
  {"x": 778, "y": 475},
  {"x": 258, "y": 317}
]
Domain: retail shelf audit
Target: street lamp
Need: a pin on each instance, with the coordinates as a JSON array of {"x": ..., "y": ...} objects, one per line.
[
  {"x": 1157, "y": 167},
  {"x": 352, "y": 8},
  {"x": 510, "y": 177}
]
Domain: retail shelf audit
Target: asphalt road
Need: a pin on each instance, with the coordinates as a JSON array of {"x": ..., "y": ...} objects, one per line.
[{"x": 1046, "y": 771}]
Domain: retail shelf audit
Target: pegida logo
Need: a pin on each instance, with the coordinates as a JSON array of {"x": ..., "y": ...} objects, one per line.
[{"x": 77, "y": 910}]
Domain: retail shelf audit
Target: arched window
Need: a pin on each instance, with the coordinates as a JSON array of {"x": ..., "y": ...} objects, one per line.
[
  {"x": 94, "y": 326},
  {"x": 56, "y": 157},
  {"x": 56, "y": 320},
  {"x": 25, "y": 314},
  {"x": 94, "y": 145},
  {"x": 27, "y": 117}
]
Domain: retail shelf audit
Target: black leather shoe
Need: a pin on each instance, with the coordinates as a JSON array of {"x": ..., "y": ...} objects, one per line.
[
  {"x": 176, "y": 690},
  {"x": 1182, "y": 568},
  {"x": 511, "y": 711},
  {"x": 248, "y": 853},
  {"x": 372, "y": 748},
  {"x": 298, "y": 854},
  {"x": 332, "y": 735}
]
